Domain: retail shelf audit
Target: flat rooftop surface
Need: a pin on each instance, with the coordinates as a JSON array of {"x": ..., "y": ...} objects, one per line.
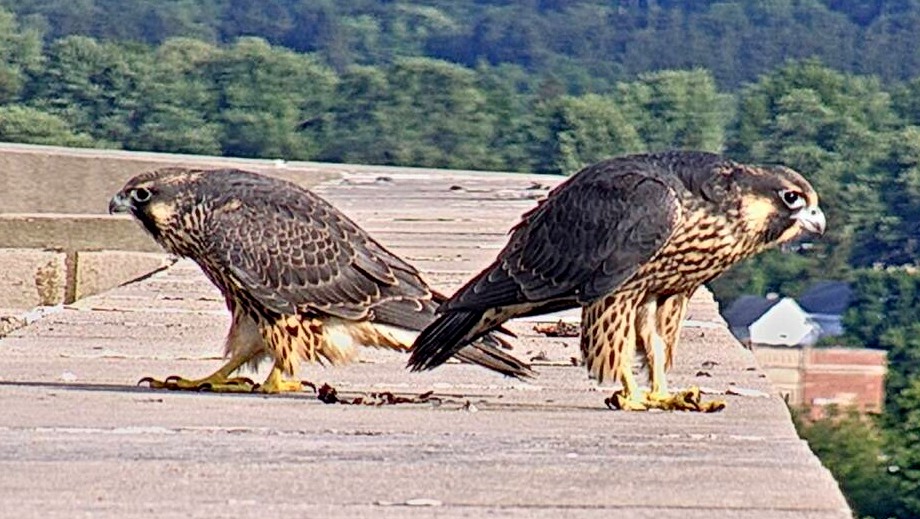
[{"x": 79, "y": 438}]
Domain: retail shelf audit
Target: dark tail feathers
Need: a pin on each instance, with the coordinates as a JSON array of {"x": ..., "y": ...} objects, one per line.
[
  {"x": 484, "y": 354},
  {"x": 447, "y": 337}
]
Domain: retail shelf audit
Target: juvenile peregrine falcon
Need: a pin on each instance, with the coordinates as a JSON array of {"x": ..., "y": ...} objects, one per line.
[
  {"x": 629, "y": 240},
  {"x": 301, "y": 280}
]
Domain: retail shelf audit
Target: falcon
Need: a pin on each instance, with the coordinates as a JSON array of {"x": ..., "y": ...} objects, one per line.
[
  {"x": 302, "y": 282},
  {"x": 628, "y": 240}
]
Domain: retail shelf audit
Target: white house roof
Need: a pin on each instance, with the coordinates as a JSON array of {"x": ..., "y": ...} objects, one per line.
[{"x": 785, "y": 323}]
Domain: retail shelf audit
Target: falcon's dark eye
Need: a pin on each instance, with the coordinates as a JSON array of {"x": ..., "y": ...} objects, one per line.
[
  {"x": 792, "y": 199},
  {"x": 141, "y": 195}
]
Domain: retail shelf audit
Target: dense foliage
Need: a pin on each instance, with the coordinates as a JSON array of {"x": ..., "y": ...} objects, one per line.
[
  {"x": 876, "y": 464},
  {"x": 588, "y": 44},
  {"x": 852, "y": 447},
  {"x": 829, "y": 87}
]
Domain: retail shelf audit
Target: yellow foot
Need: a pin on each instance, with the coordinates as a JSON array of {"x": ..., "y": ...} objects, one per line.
[
  {"x": 213, "y": 383},
  {"x": 283, "y": 386},
  {"x": 619, "y": 400},
  {"x": 276, "y": 383},
  {"x": 688, "y": 400}
]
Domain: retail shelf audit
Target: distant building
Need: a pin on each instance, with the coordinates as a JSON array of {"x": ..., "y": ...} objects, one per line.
[
  {"x": 826, "y": 302},
  {"x": 743, "y": 312},
  {"x": 816, "y": 314},
  {"x": 782, "y": 332},
  {"x": 784, "y": 324},
  {"x": 819, "y": 377}
]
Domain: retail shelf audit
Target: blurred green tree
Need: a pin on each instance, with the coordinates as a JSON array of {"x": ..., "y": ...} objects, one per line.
[
  {"x": 583, "y": 130},
  {"x": 178, "y": 106},
  {"x": 264, "y": 94},
  {"x": 20, "y": 55},
  {"x": 853, "y": 448},
  {"x": 31, "y": 126}
]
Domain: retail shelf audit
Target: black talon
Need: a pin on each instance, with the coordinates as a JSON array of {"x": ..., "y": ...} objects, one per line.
[
  {"x": 148, "y": 380},
  {"x": 172, "y": 378},
  {"x": 205, "y": 387}
]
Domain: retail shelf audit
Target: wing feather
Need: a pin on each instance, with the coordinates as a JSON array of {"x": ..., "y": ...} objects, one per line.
[
  {"x": 587, "y": 238},
  {"x": 293, "y": 251}
]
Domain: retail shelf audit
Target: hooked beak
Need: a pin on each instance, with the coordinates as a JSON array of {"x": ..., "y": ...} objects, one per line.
[
  {"x": 811, "y": 219},
  {"x": 120, "y": 204}
]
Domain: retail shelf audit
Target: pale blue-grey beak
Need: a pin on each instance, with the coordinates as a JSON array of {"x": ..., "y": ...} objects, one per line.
[
  {"x": 119, "y": 204},
  {"x": 811, "y": 218}
]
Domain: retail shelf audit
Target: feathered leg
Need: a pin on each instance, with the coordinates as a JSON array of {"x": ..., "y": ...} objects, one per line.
[
  {"x": 669, "y": 319},
  {"x": 291, "y": 339},
  {"x": 608, "y": 345},
  {"x": 659, "y": 322}
]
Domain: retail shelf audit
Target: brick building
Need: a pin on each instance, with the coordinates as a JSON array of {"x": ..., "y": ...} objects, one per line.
[{"x": 819, "y": 377}]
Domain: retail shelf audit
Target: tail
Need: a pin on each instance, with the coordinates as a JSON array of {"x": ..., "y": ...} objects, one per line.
[
  {"x": 450, "y": 334},
  {"x": 486, "y": 352}
]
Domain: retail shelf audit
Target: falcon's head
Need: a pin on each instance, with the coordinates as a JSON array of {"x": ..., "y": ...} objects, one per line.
[
  {"x": 778, "y": 203},
  {"x": 163, "y": 202}
]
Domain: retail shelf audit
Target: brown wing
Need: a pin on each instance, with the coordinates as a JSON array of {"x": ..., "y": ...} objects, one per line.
[
  {"x": 587, "y": 238},
  {"x": 590, "y": 235},
  {"x": 294, "y": 252}
]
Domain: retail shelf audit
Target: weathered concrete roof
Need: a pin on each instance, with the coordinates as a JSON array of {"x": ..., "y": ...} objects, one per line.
[{"x": 77, "y": 437}]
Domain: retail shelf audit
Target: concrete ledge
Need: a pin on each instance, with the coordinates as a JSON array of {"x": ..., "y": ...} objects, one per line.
[
  {"x": 12, "y": 319},
  {"x": 34, "y": 277},
  {"x": 10, "y": 322},
  {"x": 73, "y": 180},
  {"x": 74, "y": 232},
  {"x": 97, "y": 271}
]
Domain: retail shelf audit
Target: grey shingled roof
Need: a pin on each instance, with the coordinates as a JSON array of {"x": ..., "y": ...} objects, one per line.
[
  {"x": 826, "y": 297},
  {"x": 747, "y": 309}
]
